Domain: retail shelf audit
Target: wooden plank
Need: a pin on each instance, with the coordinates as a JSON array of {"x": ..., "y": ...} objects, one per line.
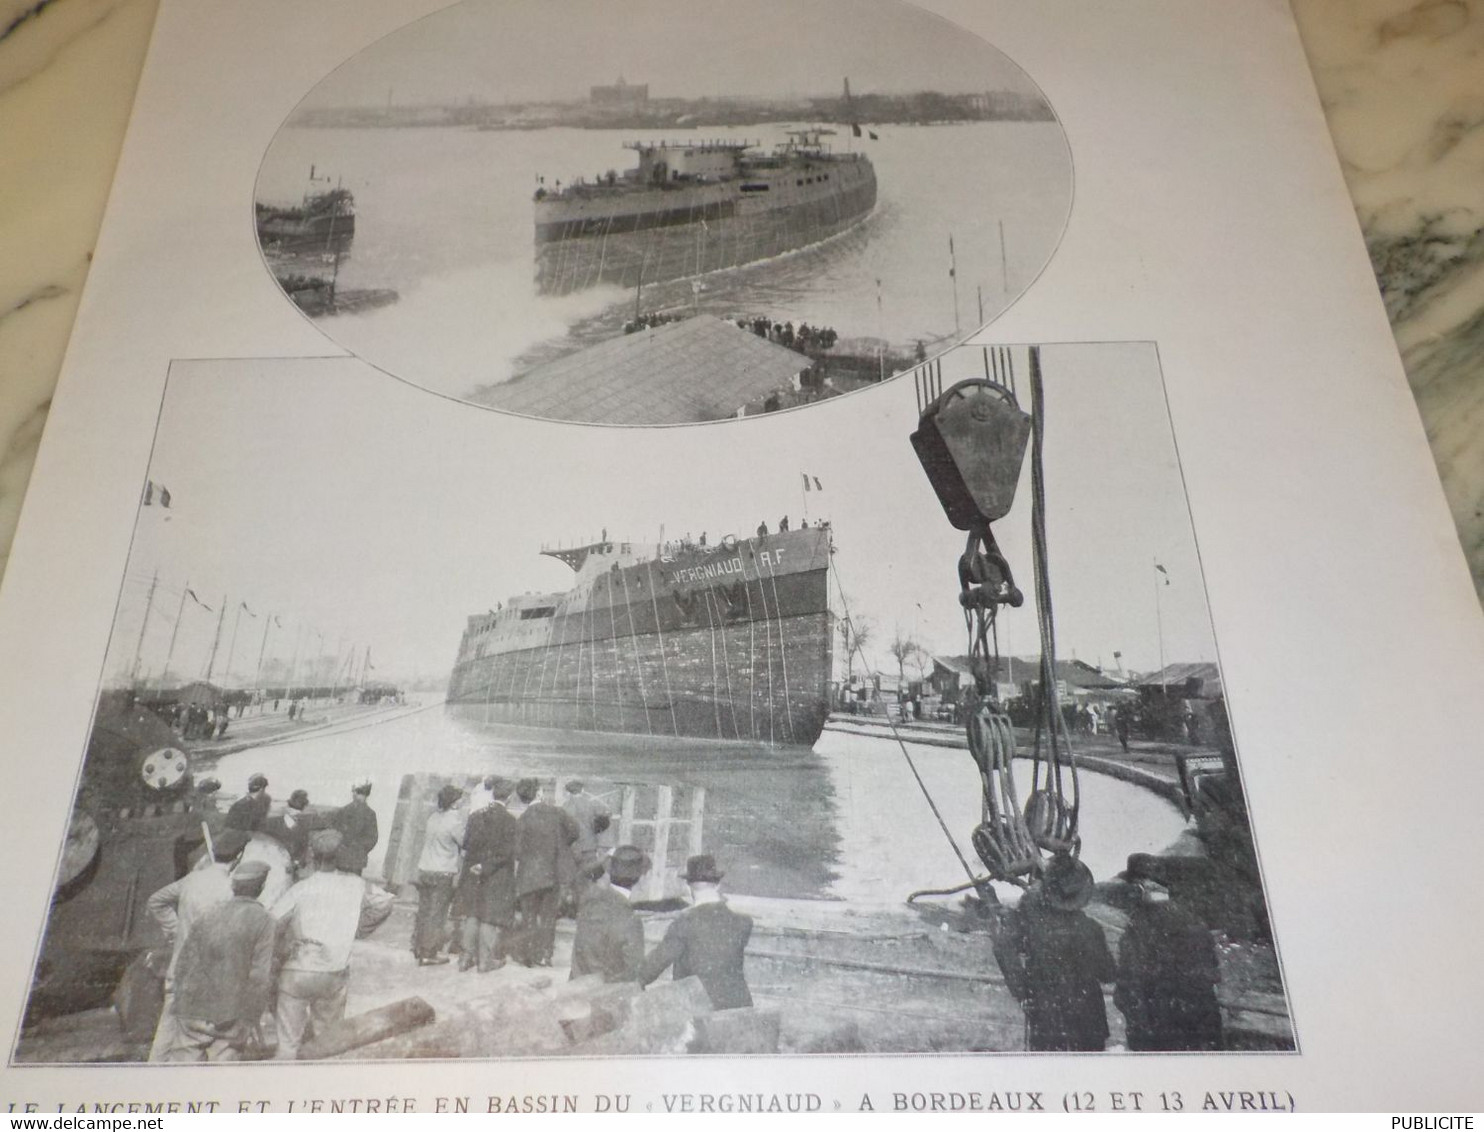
[{"x": 395, "y": 1018}]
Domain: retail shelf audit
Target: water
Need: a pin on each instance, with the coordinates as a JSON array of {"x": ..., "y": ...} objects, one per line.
[
  {"x": 845, "y": 821},
  {"x": 444, "y": 217}
]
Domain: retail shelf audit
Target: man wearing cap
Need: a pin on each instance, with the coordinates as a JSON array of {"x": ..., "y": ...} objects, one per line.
[
  {"x": 223, "y": 975},
  {"x": 437, "y": 871},
  {"x": 318, "y": 920},
  {"x": 610, "y": 938},
  {"x": 251, "y": 810},
  {"x": 357, "y": 824},
  {"x": 293, "y": 827},
  {"x": 486, "y": 892},
  {"x": 1167, "y": 970},
  {"x": 544, "y": 866},
  {"x": 1055, "y": 959},
  {"x": 707, "y": 940},
  {"x": 592, "y": 818},
  {"x": 178, "y": 906}
]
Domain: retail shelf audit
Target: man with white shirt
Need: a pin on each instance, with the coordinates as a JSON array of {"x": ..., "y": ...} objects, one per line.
[
  {"x": 437, "y": 872},
  {"x": 318, "y": 919},
  {"x": 178, "y": 906}
]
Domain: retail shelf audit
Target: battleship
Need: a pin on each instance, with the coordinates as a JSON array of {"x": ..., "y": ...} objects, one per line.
[
  {"x": 693, "y": 207},
  {"x": 730, "y": 642}
]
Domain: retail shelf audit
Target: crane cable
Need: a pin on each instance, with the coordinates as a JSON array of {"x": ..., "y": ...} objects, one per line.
[
  {"x": 974, "y": 882},
  {"x": 1051, "y": 818}
]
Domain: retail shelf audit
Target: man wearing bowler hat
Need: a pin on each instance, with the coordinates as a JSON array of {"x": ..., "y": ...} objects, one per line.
[
  {"x": 1055, "y": 959},
  {"x": 251, "y": 810},
  {"x": 610, "y": 938},
  {"x": 1167, "y": 968},
  {"x": 707, "y": 940},
  {"x": 486, "y": 893}
]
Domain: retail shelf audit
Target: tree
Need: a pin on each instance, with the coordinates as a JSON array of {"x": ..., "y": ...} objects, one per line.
[
  {"x": 855, "y": 635},
  {"x": 902, "y": 650}
]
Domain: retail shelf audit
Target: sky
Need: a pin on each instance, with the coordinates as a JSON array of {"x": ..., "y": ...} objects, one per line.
[
  {"x": 438, "y": 510},
  {"x": 530, "y": 50}
]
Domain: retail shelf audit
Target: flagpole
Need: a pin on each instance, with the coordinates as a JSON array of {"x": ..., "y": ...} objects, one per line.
[
  {"x": 216, "y": 640},
  {"x": 143, "y": 628},
  {"x": 1160, "y": 628},
  {"x": 953, "y": 274},
  {"x": 170, "y": 652},
  {"x": 232, "y": 648},
  {"x": 294, "y": 664},
  {"x": 257, "y": 676}
]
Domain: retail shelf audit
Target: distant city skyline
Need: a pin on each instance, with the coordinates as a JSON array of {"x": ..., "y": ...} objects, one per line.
[{"x": 496, "y": 52}]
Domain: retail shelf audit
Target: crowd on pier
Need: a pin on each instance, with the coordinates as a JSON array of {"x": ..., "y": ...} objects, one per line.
[{"x": 264, "y": 926}]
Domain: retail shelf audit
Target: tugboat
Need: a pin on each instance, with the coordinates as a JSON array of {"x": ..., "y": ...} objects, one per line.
[
  {"x": 692, "y": 207},
  {"x": 321, "y": 221}
]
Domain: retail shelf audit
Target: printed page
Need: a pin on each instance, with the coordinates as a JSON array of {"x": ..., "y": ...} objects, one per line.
[{"x": 735, "y": 557}]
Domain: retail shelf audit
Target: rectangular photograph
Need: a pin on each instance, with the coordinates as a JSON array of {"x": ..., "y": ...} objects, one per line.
[{"x": 486, "y": 738}]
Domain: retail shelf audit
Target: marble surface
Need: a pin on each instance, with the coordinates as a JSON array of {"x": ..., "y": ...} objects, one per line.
[{"x": 1402, "y": 83}]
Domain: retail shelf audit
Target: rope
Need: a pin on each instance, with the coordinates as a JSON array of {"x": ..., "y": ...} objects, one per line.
[
  {"x": 901, "y": 744},
  {"x": 664, "y": 661},
  {"x": 1055, "y": 820},
  {"x": 634, "y": 643}
]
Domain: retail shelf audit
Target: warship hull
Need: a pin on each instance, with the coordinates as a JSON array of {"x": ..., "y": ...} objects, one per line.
[
  {"x": 726, "y": 643},
  {"x": 631, "y": 239}
]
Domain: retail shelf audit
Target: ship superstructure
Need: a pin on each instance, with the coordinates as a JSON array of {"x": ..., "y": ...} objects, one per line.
[
  {"x": 692, "y": 207},
  {"x": 730, "y": 641}
]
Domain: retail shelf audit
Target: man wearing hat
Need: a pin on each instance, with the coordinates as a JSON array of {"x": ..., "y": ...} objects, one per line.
[
  {"x": 544, "y": 866},
  {"x": 318, "y": 919},
  {"x": 357, "y": 824},
  {"x": 178, "y": 906},
  {"x": 293, "y": 827},
  {"x": 610, "y": 938},
  {"x": 1055, "y": 959},
  {"x": 223, "y": 975},
  {"x": 437, "y": 871},
  {"x": 707, "y": 940},
  {"x": 486, "y": 894},
  {"x": 1167, "y": 969},
  {"x": 251, "y": 810}
]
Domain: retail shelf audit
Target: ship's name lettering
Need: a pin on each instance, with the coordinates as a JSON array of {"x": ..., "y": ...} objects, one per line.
[{"x": 711, "y": 570}]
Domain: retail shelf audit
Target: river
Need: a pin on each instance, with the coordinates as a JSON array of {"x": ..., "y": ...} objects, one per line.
[
  {"x": 845, "y": 821},
  {"x": 444, "y": 217}
]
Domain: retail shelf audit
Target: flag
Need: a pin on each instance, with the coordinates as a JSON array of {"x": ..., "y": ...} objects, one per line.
[
  {"x": 806, "y": 481},
  {"x": 246, "y": 610},
  {"x": 952, "y": 260},
  {"x": 811, "y": 483},
  {"x": 817, "y": 485},
  {"x": 190, "y": 593},
  {"x": 855, "y": 129},
  {"x": 1163, "y": 571},
  {"x": 164, "y": 496},
  {"x": 873, "y": 135}
]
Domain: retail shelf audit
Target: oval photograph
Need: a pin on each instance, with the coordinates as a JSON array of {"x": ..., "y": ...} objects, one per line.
[{"x": 663, "y": 212}]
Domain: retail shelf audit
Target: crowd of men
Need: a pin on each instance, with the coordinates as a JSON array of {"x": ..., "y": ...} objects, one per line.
[
  {"x": 493, "y": 885},
  {"x": 1056, "y": 961},
  {"x": 264, "y": 925}
]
